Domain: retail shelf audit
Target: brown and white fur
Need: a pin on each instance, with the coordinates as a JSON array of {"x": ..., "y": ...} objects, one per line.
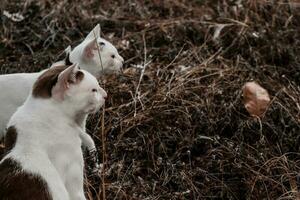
[
  {"x": 45, "y": 159},
  {"x": 14, "y": 88}
]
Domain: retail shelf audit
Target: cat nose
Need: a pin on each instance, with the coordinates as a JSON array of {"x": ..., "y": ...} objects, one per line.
[{"x": 103, "y": 93}]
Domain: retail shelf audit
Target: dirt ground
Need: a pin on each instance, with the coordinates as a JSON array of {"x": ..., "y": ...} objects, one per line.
[{"x": 178, "y": 129}]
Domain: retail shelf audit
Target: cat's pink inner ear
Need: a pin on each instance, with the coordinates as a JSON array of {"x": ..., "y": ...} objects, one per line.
[
  {"x": 90, "y": 48},
  {"x": 69, "y": 76}
]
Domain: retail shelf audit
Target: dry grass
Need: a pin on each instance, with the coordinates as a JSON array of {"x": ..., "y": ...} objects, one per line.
[{"x": 175, "y": 125}]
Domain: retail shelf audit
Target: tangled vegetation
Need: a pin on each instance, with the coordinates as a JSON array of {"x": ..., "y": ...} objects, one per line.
[{"x": 175, "y": 126}]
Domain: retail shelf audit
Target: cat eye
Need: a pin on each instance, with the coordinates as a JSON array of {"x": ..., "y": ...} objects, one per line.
[
  {"x": 94, "y": 90},
  {"x": 113, "y": 56}
]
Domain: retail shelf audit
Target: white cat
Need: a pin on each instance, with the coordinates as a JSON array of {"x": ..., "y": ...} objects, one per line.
[
  {"x": 45, "y": 158},
  {"x": 14, "y": 88}
]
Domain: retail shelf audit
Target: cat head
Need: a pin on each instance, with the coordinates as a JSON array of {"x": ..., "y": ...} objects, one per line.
[
  {"x": 74, "y": 89},
  {"x": 97, "y": 55}
]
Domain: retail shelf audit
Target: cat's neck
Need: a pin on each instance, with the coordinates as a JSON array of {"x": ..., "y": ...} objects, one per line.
[
  {"x": 80, "y": 120},
  {"x": 52, "y": 111}
]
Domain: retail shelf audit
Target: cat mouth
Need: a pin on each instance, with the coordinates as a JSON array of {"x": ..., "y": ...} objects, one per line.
[
  {"x": 114, "y": 68},
  {"x": 94, "y": 109}
]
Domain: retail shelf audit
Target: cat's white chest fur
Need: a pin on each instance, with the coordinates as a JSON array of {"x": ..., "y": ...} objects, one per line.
[{"x": 51, "y": 147}]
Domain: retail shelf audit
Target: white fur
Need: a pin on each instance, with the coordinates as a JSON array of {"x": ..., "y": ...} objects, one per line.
[
  {"x": 48, "y": 141},
  {"x": 14, "y": 88},
  {"x": 103, "y": 63}
]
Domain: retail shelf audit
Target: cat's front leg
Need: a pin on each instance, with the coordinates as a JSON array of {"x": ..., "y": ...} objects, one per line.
[
  {"x": 87, "y": 142},
  {"x": 89, "y": 145},
  {"x": 74, "y": 178}
]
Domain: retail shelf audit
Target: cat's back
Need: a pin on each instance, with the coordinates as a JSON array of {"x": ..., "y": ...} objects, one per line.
[
  {"x": 14, "y": 89},
  {"x": 11, "y": 83}
]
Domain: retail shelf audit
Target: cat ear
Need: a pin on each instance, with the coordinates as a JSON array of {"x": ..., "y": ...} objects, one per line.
[
  {"x": 71, "y": 75},
  {"x": 95, "y": 33},
  {"x": 89, "y": 49}
]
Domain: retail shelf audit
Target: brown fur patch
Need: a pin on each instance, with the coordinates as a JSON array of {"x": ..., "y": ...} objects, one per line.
[
  {"x": 16, "y": 185},
  {"x": 10, "y": 138},
  {"x": 67, "y": 60},
  {"x": 79, "y": 76},
  {"x": 9, "y": 141},
  {"x": 44, "y": 84}
]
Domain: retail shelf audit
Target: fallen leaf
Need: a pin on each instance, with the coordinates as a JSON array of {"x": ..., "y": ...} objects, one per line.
[{"x": 256, "y": 99}]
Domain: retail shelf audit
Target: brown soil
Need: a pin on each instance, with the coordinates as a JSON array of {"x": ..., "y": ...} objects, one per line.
[{"x": 179, "y": 130}]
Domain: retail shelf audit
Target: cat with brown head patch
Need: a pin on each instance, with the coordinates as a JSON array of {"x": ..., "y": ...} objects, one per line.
[{"x": 44, "y": 159}]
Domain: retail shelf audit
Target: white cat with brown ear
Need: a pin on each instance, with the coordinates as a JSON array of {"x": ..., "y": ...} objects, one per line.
[
  {"x": 44, "y": 160},
  {"x": 14, "y": 88}
]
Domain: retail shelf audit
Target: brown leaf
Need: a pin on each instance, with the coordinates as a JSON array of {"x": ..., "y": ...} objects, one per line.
[{"x": 256, "y": 99}]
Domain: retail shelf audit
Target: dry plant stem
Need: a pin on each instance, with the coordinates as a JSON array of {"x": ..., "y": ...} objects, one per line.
[
  {"x": 231, "y": 155},
  {"x": 126, "y": 173},
  {"x": 98, "y": 50},
  {"x": 102, "y": 131},
  {"x": 175, "y": 57},
  {"x": 137, "y": 94},
  {"x": 104, "y": 153}
]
